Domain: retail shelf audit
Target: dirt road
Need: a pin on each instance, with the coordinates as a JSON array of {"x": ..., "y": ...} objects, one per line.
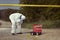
[{"x": 47, "y": 34}]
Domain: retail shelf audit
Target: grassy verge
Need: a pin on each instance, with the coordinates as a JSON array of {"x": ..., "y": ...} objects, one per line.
[{"x": 45, "y": 24}]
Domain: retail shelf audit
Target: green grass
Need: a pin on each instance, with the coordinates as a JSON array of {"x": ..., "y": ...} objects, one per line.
[{"x": 45, "y": 24}]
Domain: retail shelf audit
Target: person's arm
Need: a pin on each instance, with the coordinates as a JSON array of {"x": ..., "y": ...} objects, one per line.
[{"x": 23, "y": 17}]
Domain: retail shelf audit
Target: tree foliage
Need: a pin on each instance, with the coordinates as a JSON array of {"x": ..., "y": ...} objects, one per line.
[{"x": 35, "y": 13}]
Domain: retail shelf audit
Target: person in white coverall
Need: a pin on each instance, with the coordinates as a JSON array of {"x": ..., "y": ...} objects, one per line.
[{"x": 16, "y": 20}]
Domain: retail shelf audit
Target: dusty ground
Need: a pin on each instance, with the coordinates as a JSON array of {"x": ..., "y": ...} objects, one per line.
[{"x": 47, "y": 34}]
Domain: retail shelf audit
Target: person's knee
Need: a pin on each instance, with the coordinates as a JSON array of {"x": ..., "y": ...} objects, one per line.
[{"x": 13, "y": 23}]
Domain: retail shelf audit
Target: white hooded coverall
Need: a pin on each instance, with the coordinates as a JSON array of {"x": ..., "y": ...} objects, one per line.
[{"x": 16, "y": 20}]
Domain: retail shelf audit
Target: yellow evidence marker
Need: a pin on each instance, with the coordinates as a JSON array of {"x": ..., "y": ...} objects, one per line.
[{"x": 36, "y": 36}]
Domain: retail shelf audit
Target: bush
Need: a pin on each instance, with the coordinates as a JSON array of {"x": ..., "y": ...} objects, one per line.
[
  {"x": 45, "y": 24},
  {"x": 5, "y": 13}
]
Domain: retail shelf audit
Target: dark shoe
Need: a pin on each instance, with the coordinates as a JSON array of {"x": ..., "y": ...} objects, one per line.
[
  {"x": 13, "y": 33},
  {"x": 19, "y": 33}
]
